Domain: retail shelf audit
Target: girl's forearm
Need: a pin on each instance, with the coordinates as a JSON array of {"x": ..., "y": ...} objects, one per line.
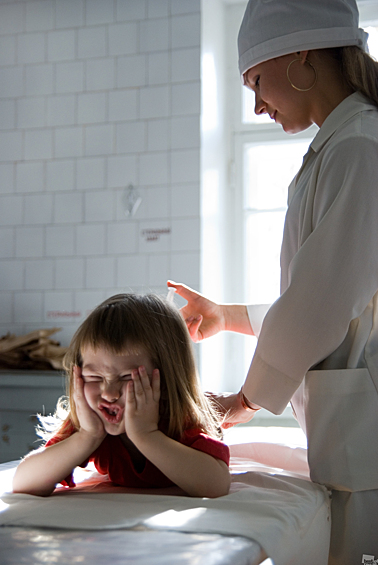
[
  {"x": 236, "y": 319},
  {"x": 41, "y": 471},
  {"x": 197, "y": 473}
]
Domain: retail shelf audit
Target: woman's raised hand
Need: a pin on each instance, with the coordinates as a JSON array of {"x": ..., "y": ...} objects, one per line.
[
  {"x": 88, "y": 419},
  {"x": 142, "y": 404},
  {"x": 203, "y": 317}
]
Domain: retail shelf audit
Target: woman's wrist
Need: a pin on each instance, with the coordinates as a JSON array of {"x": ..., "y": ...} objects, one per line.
[
  {"x": 247, "y": 404},
  {"x": 236, "y": 319}
]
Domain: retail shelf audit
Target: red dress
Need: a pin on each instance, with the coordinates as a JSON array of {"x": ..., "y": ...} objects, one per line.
[{"x": 112, "y": 458}]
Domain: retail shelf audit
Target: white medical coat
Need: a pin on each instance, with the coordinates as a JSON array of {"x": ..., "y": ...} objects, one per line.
[{"x": 318, "y": 345}]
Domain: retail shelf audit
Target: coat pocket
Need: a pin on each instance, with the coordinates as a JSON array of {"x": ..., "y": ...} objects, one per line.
[{"x": 341, "y": 413}]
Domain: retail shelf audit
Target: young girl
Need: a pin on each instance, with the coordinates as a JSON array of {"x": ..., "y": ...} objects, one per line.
[{"x": 135, "y": 407}]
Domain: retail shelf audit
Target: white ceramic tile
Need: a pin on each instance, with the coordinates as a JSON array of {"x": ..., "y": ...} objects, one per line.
[
  {"x": 159, "y": 68},
  {"x": 11, "y": 210},
  {"x": 11, "y": 17},
  {"x": 158, "y": 269},
  {"x": 60, "y": 241},
  {"x": 69, "y": 77},
  {"x": 153, "y": 168},
  {"x": 90, "y": 239},
  {"x": 92, "y": 42},
  {"x": 31, "y": 112},
  {"x": 90, "y": 173},
  {"x": 39, "y": 274},
  {"x": 158, "y": 138},
  {"x": 69, "y": 274},
  {"x": 31, "y": 48},
  {"x": 7, "y": 114},
  {"x": 122, "y": 237},
  {"x": 185, "y": 7},
  {"x": 185, "y": 267},
  {"x": 61, "y": 45},
  {"x": 68, "y": 207},
  {"x": 155, "y": 102},
  {"x": 7, "y": 242},
  {"x": 11, "y": 275},
  {"x": 185, "y": 132},
  {"x": 123, "y": 39},
  {"x": 60, "y": 175},
  {"x": 29, "y": 242},
  {"x": 38, "y": 144},
  {"x": 69, "y": 13},
  {"x": 61, "y": 110},
  {"x": 127, "y": 10},
  {"x": 131, "y": 137},
  {"x": 123, "y": 105},
  {"x": 10, "y": 146},
  {"x": 186, "y": 64},
  {"x": 92, "y": 108},
  {"x": 39, "y": 15},
  {"x": 58, "y": 308},
  {"x": 100, "y": 74},
  {"x": 38, "y": 208},
  {"x": 8, "y": 50},
  {"x": 186, "y": 234},
  {"x": 131, "y": 71},
  {"x": 39, "y": 79},
  {"x": 158, "y": 8},
  {"x": 68, "y": 142},
  {"x": 11, "y": 82},
  {"x": 157, "y": 202},
  {"x": 154, "y": 35},
  {"x": 122, "y": 171},
  {"x": 99, "y": 12},
  {"x": 185, "y": 200},
  {"x": 186, "y": 31},
  {"x": 186, "y": 99},
  {"x": 154, "y": 236},
  {"x": 185, "y": 166},
  {"x": 132, "y": 271},
  {"x": 28, "y": 308},
  {"x": 100, "y": 272},
  {"x": 98, "y": 206},
  {"x": 6, "y": 178},
  {"x": 86, "y": 300},
  {"x": 6, "y": 307},
  {"x": 99, "y": 140},
  {"x": 29, "y": 177}
]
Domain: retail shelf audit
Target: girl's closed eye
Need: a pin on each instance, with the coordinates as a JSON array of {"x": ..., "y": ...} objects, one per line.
[{"x": 91, "y": 378}]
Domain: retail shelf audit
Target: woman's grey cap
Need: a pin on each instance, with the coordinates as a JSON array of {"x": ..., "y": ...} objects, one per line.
[{"x": 272, "y": 28}]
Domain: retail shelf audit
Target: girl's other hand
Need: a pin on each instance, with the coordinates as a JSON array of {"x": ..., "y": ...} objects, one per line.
[
  {"x": 142, "y": 404},
  {"x": 203, "y": 317},
  {"x": 89, "y": 421}
]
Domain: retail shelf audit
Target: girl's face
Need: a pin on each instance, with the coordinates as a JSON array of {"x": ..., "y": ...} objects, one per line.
[
  {"x": 275, "y": 95},
  {"x": 105, "y": 375}
]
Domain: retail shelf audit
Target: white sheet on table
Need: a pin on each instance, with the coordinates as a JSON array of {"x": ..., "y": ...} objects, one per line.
[{"x": 288, "y": 516}]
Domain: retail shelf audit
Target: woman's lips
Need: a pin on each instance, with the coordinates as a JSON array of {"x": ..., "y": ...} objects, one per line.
[{"x": 112, "y": 413}]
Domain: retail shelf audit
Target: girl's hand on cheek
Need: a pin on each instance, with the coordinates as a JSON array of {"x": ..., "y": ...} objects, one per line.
[
  {"x": 142, "y": 404},
  {"x": 89, "y": 421}
]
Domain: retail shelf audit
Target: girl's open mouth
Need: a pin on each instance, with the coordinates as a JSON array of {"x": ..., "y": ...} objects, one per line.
[{"x": 112, "y": 413}]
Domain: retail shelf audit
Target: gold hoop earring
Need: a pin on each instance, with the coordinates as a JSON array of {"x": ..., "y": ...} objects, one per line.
[{"x": 296, "y": 87}]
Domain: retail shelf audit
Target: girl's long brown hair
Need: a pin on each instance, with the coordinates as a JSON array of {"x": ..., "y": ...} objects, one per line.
[{"x": 128, "y": 322}]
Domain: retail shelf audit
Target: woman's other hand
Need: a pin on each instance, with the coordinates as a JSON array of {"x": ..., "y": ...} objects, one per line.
[
  {"x": 203, "y": 317},
  {"x": 233, "y": 409}
]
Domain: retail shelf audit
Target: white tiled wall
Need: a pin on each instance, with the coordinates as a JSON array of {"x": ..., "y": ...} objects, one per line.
[{"x": 96, "y": 95}]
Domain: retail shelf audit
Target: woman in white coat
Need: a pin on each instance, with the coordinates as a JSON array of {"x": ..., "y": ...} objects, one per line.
[{"x": 318, "y": 346}]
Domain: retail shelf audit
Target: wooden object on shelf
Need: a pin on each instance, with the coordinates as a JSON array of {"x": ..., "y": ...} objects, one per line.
[{"x": 33, "y": 351}]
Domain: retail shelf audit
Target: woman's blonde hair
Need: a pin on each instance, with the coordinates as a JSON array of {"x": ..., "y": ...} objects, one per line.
[
  {"x": 128, "y": 322},
  {"x": 359, "y": 70}
]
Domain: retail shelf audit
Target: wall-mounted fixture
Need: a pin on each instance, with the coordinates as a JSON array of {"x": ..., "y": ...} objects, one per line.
[{"x": 131, "y": 200}]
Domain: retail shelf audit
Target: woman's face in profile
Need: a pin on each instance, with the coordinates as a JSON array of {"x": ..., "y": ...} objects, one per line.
[{"x": 275, "y": 95}]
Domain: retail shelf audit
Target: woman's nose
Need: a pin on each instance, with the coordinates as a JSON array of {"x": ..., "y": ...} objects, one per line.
[
  {"x": 110, "y": 392},
  {"x": 260, "y": 106}
]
